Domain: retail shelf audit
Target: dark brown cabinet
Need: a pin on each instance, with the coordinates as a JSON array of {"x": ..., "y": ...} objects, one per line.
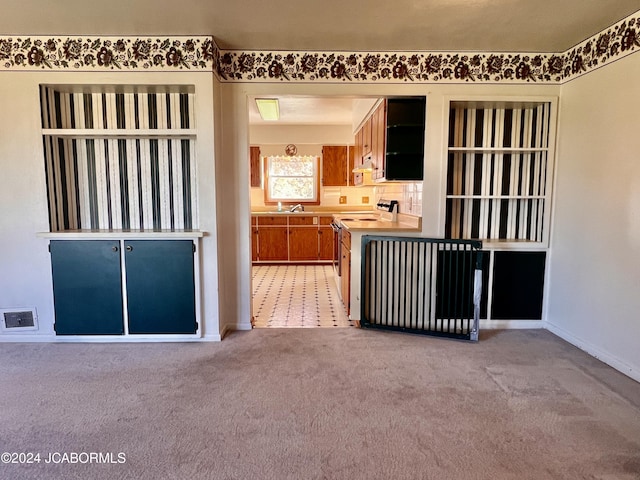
[
  {"x": 254, "y": 239},
  {"x": 303, "y": 238},
  {"x": 291, "y": 238},
  {"x": 352, "y": 156},
  {"x": 325, "y": 235},
  {"x": 254, "y": 166},
  {"x": 345, "y": 269},
  {"x": 378, "y": 141},
  {"x": 334, "y": 165},
  {"x": 394, "y": 136},
  {"x": 367, "y": 137},
  {"x": 271, "y": 238}
]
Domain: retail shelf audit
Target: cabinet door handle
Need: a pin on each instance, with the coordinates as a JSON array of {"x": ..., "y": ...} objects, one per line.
[
  {"x": 114, "y": 249},
  {"x": 129, "y": 248}
]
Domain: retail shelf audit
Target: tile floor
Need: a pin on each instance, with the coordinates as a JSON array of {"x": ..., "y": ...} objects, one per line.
[{"x": 290, "y": 296}]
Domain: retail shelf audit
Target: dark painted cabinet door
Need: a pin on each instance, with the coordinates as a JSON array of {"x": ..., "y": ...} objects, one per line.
[
  {"x": 87, "y": 287},
  {"x": 160, "y": 286},
  {"x": 518, "y": 285}
]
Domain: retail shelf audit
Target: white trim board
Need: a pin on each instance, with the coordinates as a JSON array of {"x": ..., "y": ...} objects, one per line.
[{"x": 632, "y": 371}]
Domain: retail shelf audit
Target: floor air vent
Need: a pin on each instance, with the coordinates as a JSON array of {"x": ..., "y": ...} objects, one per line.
[{"x": 18, "y": 320}]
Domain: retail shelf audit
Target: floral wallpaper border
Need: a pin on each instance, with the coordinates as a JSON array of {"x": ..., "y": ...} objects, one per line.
[
  {"x": 613, "y": 43},
  {"x": 202, "y": 54},
  {"x": 107, "y": 53}
]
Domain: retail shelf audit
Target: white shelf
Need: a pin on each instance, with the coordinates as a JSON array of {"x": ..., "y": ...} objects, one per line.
[
  {"x": 119, "y": 133},
  {"x": 124, "y": 234},
  {"x": 497, "y": 197},
  {"x": 497, "y": 149}
]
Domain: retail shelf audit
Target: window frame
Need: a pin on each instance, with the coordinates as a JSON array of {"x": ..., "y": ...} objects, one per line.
[{"x": 270, "y": 200}]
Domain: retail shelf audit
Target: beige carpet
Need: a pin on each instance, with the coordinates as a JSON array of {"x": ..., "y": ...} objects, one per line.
[{"x": 340, "y": 403}]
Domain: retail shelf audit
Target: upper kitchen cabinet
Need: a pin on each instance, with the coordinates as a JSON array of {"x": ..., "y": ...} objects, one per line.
[
  {"x": 254, "y": 166},
  {"x": 404, "y": 139},
  {"x": 395, "y": 133},
  {"x": 334, "y": 165},
  {"x": 120, "y": 157}
]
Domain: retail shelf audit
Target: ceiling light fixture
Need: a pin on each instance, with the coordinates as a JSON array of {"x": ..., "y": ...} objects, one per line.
[{"x": 268, "y": 108}]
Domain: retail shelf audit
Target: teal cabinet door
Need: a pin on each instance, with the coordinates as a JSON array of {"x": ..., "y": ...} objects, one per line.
[
  {"x": 87, "y": 287},
  {"x": 160, "y": 286}
]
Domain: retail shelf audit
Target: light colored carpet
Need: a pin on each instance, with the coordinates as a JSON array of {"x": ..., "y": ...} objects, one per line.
[{"x": 339, "y": 403}]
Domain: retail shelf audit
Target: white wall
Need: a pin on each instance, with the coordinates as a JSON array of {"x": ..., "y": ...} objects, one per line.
[
  {"x": 25, "y": 268},
  {"x": 301, "y": 134},
  {"x": 593, "y": 293}
]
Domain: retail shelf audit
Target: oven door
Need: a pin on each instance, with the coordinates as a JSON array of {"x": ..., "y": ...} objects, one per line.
[{"x": 337, "y": 241}]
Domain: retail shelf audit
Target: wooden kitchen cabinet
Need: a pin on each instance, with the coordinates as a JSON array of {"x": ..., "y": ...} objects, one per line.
[
  {"x": 378, "y": 138},
  {"x": 366, "y": 137},
  {"x": 291, "y": 238},
  {"x": 334, "y": 165},
  {"x": 325, "y": 235},
  {"x": 303, "y": 238},
  {"x": 272, "y": 244},
  {"x": 345, "y": 269},
  {"x": 352, "y": 155},
  {"x": 303, "y": 244},
  {"x": 394, "y": 136},
  {"x": 254, "y": 238},
  {"x": 272, "y": 238},
  {"x": 254, "y": 166}
]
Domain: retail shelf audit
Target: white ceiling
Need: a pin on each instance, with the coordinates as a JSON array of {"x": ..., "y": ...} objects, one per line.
[
  {"x": 359, "y": 25},
  {"x": 543, "y": 26},
  {"x": 305, "y": 110}
]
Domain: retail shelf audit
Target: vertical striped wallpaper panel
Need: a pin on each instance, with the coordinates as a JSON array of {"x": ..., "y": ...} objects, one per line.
[
  {"x": 130, "y": 111},
  {"x": 502, "y": 192},
  {"x": 127, "y": 183}
]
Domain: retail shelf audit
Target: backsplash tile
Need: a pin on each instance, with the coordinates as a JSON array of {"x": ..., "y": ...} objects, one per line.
[{"x": 408, "y": 195}]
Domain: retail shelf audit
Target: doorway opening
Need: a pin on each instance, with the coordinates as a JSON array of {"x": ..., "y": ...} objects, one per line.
[{"x": 286, "y": 294}]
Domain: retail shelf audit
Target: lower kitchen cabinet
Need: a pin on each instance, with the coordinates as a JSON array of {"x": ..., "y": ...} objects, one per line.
[
  {"x": 345, "y": 268},
  {"x": 272, "y": 244},
  {"x": 291, "y": 238},
  {"x": 325, "y": 233},
  {"x": 89, "y": 287},
  {"x": 303, "y": 244}
]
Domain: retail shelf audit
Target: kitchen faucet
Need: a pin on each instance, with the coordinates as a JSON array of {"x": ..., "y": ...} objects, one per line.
[{"x": 296, "y": 207}]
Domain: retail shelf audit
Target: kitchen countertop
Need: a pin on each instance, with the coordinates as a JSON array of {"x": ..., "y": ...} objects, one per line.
[
  {"x": 310, "y": 212},
  {"x": 405, "y": 223}
]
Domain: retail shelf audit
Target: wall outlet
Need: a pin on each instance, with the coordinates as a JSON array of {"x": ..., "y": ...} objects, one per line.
[
  {"x": 343, "y": 199},
  {"x": 365, "y": 199}
]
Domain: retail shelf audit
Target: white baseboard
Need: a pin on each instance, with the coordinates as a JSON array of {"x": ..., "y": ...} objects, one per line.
[
  {"x": 212, "y": 337},
  {"x": 510, "y": 324},
  {"x": 606, "y": 357},
  {"x": 25, "y": 338},
  {"x": 13, "y": 338}
]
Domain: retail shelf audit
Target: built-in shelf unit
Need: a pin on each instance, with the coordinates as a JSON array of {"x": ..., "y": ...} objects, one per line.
[
  {"x": 120, "y": 157},
  {"x": 498, "y": 190},
  {"x": 499, "y": 171},
  {"x": 120, "y": 165}
]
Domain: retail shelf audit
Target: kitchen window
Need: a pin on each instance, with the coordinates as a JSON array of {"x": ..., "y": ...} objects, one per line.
[{"x": 292, "y": 179}]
